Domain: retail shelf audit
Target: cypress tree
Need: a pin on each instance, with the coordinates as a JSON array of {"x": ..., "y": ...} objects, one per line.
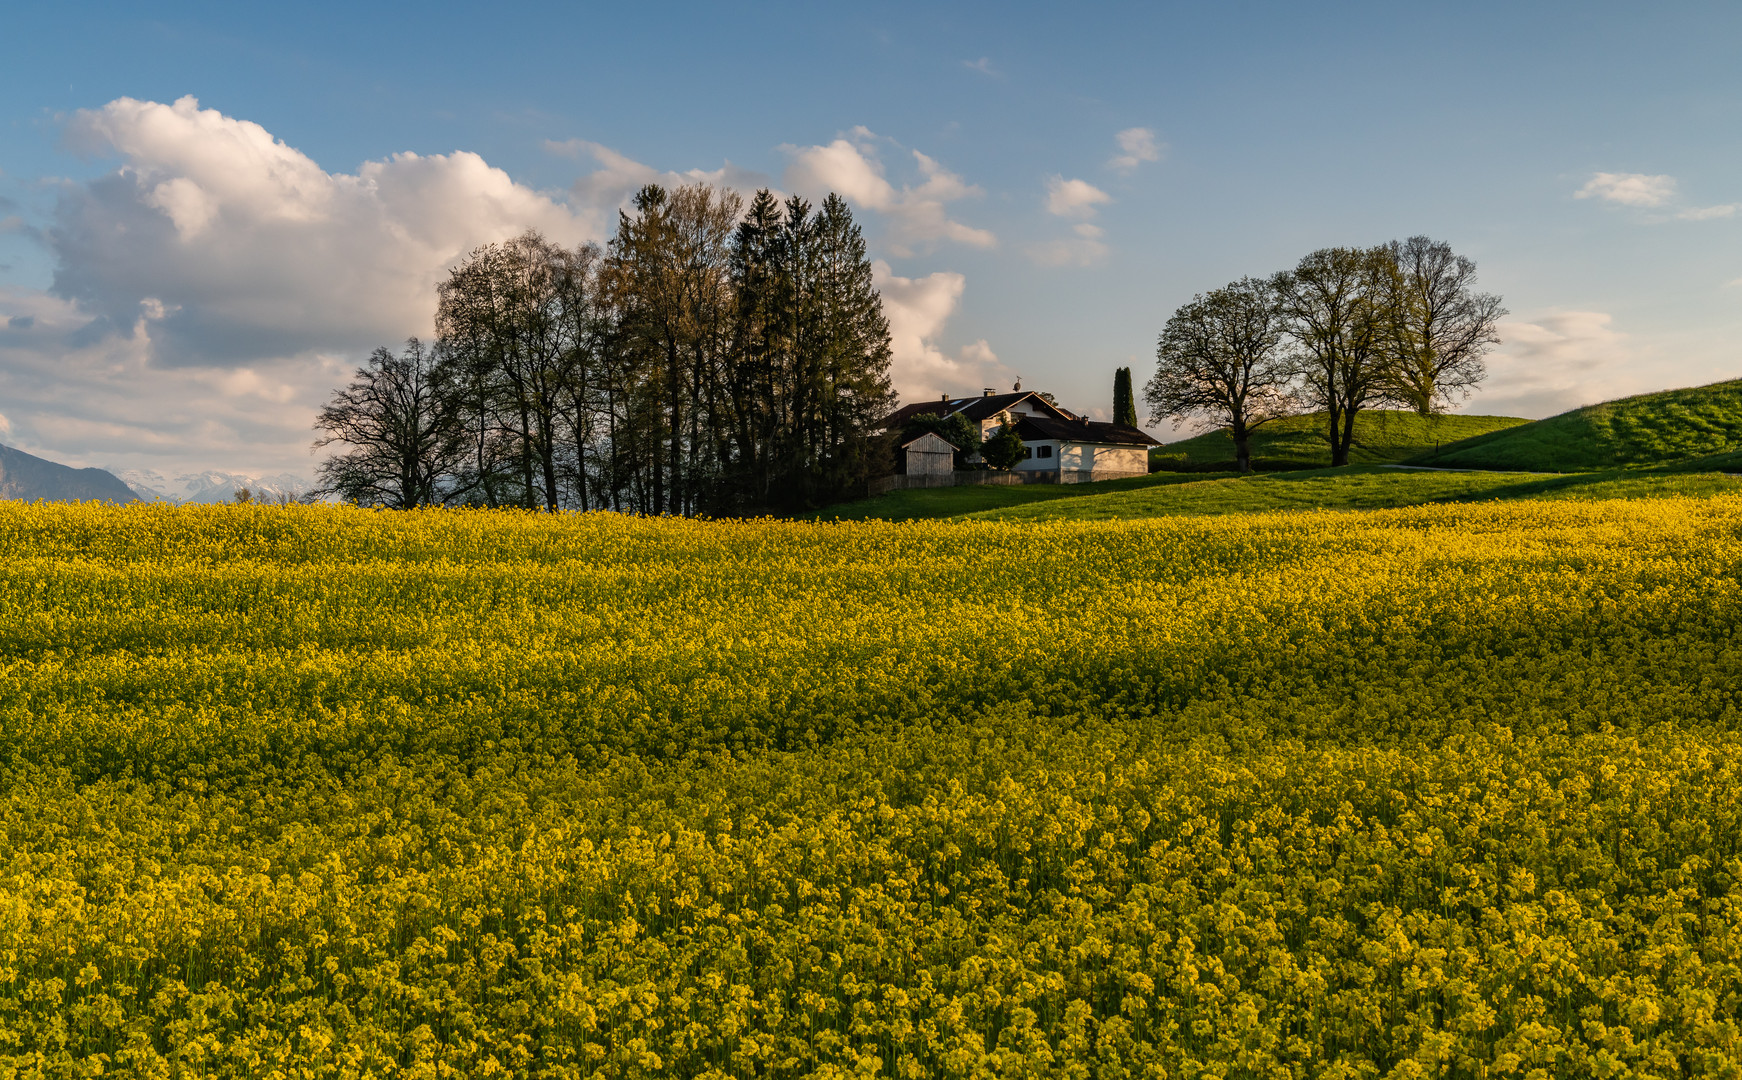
[{"x": 1124, "y": 405}]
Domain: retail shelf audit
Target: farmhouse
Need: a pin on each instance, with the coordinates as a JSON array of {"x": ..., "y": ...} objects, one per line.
[{"x": 1060, "y": 446}]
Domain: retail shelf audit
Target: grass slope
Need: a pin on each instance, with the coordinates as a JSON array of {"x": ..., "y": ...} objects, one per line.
[
  {"x": 1668, "y": 428},
  {"x": 1357, "y": 487},
  {"x": 1298, "y": 442}
]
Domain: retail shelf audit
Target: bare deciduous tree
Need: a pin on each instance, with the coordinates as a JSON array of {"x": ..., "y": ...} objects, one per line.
[
  {"x": 1223, "y": 358},
  {"x": 1335, "y": 302},
  {"x": 1439, "y": 326},
  {"x": 405, "y": 436}
]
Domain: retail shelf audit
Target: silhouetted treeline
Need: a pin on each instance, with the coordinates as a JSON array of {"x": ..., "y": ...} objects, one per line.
[{"x": 709, "y": 359}]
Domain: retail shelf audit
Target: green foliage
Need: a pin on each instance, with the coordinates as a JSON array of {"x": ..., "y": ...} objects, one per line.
[
  {"x": 1124, "y": 402},
  {"x": 1004, "y": 449},
  {"x": 955, "y": 429},
  {"x": 1298, "y": 442},
  {"x": 1648, "y": 431}
]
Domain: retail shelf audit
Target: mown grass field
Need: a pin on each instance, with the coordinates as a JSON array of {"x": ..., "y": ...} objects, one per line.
[
  {"x": 1649, "y": 431},
  {"x": 1450, "y": 790},
  {"x": 1382, "y": 436}
]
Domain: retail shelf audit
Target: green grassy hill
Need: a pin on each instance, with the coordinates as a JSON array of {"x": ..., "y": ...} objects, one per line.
[
  {"x": 1698, "y": 425},
  {"x": 1298, "y": 442},
  {"x": 1355, "y": 487}
]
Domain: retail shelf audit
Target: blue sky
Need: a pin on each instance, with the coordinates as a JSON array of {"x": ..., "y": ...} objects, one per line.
[{"x": 160, "y": 307}]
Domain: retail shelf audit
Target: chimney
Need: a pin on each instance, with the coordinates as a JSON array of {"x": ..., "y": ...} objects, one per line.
[
  {"x": 946, "y": 399},
  {"x": 990, "y": 391}
]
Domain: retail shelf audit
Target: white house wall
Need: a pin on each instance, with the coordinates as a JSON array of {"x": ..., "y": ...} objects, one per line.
[
  {"x": 1079, "y": 461},
  {"x": 1034, "y": 462}
]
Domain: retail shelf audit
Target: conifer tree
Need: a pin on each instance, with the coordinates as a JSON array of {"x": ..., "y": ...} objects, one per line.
[{"x": 1124, "y": 404}]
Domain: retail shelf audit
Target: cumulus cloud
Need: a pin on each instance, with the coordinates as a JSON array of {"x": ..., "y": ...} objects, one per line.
[
  {"x": 1557, "y": 361},
  {"x": 101, "y": 399},
  {"x": 1136, "y": 145},
  {"x": 1073, "y": 198},
  {"x": 917, "y": 213},
  {"x": 982, "y": 65},
  {"x": 212, "y": 289},
  {"x": 1629, "y": 189},
  {"x": 1077, "y": 199},
  {"x": 250, "y": 250},
  {"x": 918, "y": 309}
]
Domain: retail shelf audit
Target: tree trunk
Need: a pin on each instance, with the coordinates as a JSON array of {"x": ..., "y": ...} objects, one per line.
[{"x": 1346, "y": 438}]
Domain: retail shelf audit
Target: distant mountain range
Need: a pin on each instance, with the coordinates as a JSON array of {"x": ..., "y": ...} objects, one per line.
[
  {"x": 25, "y": 476},
  {"x": 210, "y": 486}
]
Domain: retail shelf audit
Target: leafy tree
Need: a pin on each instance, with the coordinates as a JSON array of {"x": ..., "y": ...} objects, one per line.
[
  {"x": 1439, "y": 326},
  {"x": 407, "y": 438},
  {"x": 1222, "y": 357},
  {"x": 1124, "y": 404},
  {"x": 1004, "y": 449},
  {"x": 955, "y": 429}
]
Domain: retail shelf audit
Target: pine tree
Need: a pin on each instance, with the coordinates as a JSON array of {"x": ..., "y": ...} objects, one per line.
[{"x": 1124, "y": 405}]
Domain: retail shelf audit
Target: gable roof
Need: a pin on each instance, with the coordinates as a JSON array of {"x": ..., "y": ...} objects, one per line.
[
  {"x": 1032, "y": 428},
  {"x": 984, "y": 407},
  {"x": 932, "y": 435}
]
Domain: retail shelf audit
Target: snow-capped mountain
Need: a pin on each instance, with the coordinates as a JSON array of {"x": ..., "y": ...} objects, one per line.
[{"x": 210, "y": 486}]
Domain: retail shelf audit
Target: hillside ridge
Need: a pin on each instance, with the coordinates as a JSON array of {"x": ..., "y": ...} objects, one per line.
[
  {"x": 1662, "y": 429},
  {"x": 28, "y": 477}
]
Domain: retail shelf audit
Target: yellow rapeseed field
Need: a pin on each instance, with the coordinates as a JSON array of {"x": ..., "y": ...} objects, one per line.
[{"x": 319, "y": 792}]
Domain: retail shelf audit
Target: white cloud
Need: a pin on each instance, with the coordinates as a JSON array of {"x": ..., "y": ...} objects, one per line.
[
  {"x": 100, "y": 399},
  {"x": 1559, "y": 361},
  {"x": 1073, "y": 198},
  {"x": 1707, "y": 213},
  {"x": 1136, "y": 145},
  {"x": 5, "y": 426},
  {"x": 256, "y": 252},
  {"x": 917, "y": 213},
  {"x": 619, "y": 177},
  {"x": 918, "y": 309},
  {"x": 212, "y": 290},
  {"x": 1650, "y": 192},
  {"x": 982, "y": 65},
  {"x": 1629, "y": 189}
]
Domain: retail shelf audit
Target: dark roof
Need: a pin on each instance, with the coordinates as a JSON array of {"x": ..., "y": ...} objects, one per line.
[
  {"x": 984, "y": 407},
  {"x": 1032, "y": 428}
]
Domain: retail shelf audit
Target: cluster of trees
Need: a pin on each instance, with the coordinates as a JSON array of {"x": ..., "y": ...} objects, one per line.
[
  {"x": 711, "y": 358},
  {"x": 1397, "y": 325}
]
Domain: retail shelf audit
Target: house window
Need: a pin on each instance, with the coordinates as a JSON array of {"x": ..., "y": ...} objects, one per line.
[
  {"x": 1044, "y": 451},
  {"x": 1027, "y": 452}
]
